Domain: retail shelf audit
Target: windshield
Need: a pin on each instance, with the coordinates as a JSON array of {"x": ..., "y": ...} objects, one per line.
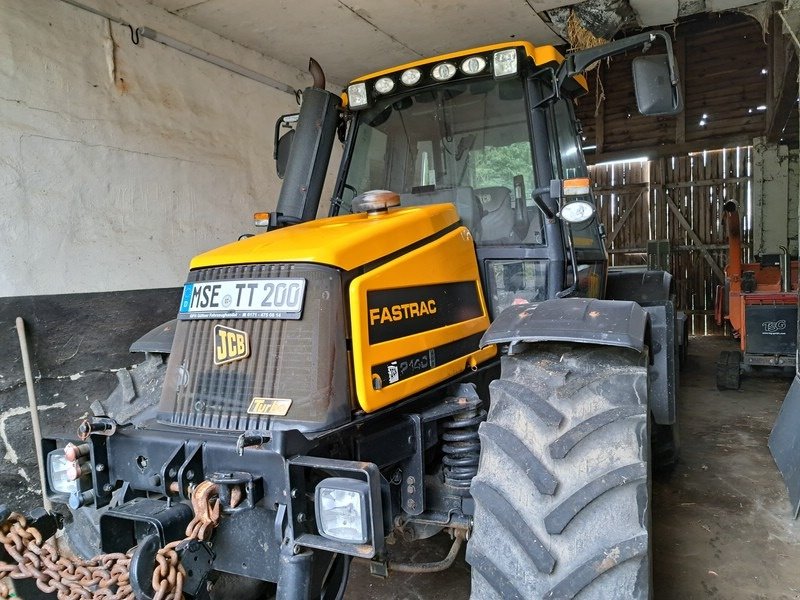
[{"x": 465, "y": 142}]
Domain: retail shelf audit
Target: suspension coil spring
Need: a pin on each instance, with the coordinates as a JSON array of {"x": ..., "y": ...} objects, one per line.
[{"x": 461, "y": 447}]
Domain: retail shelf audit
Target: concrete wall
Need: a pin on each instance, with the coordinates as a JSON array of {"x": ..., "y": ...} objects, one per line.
[
  {"x": 774, "y": 198},
  {"x": 119, "y": 162}
]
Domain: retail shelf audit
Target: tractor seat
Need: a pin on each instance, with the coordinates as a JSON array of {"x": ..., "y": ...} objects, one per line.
[{"x": 497, "y": 224}]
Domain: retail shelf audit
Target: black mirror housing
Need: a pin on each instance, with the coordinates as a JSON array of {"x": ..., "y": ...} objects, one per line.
[
  {"x": 656, "y": 94},
  {"x": 282, "y": 149}
]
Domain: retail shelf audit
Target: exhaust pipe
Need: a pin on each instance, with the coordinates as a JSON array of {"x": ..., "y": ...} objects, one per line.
[
  {"x": 786, "y": 270},
  {"x": 734, "y": 269},
  {"x": 310, "y": 152},
  {"x": 317, "y": 74}
]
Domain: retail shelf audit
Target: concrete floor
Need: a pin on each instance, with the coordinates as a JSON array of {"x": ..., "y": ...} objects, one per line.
[{"x": 722, "y": 524}]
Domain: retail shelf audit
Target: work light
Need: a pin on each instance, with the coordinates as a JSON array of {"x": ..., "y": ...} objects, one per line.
[
  {"x": 342, "y": 507},
  {"x": 473, "y": 65},
  {"x": 384, "y": 85},
  {"x": 504, "y": 62},
  {"x": 443, "y": 71},
  {"x": 411, "y": 76},
  {"x": 357, "y": 95},
  {"x": 58, "y": 468},
  {"x": 577, "y": 211}
]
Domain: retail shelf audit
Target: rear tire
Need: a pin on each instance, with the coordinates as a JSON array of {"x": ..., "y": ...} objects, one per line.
[{"x": 562, "y": 492}]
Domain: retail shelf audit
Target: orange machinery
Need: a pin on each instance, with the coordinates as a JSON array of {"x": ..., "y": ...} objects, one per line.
[{"x": 759, "y": 300}]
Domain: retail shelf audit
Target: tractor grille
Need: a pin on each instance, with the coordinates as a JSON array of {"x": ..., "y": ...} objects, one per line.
[{"x": 289, "y": 359}]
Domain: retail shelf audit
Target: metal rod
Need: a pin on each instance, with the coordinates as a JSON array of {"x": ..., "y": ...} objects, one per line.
[
  {"x": 215, "y": 60},
  {"x": 431, "y": 567},
  {"x": 188, "y": 49},
  {"x": 37, "y": 430}
]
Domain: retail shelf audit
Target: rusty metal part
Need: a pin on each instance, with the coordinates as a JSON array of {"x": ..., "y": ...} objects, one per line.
[
  {"x": 105, "y": 575},
  {"x": 433, "y": 567},
  {"x": 206, "y": 511}
]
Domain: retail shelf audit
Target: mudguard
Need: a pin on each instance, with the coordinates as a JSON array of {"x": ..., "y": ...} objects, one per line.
[
  {"x": 604, "y": 322},
  {"x": 158, "y": 340},
  {"x": 582, "y": 320},
  {"x": 644, "y": 287}
]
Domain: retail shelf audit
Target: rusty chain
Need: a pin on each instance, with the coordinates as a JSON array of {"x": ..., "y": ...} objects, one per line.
[{"x": 105, "y": 576}]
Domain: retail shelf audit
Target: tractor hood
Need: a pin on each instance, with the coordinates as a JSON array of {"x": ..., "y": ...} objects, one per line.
[{"x": 346, "y": 242}]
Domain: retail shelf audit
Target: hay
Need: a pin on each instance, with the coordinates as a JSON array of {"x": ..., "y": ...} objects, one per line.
[{"x": 579, "y": 37}]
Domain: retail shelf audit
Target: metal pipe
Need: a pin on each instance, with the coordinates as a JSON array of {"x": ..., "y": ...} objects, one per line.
[
  {"x": 215, "y": 60},
  {"x": 187, "y": 49},
  {"x": 432, "y": 567},
  {"x": 734, "y": 269},
  {"x": 316, "y": 73},
  {"x": 34, "y": 408},
  {"x": 786, "y": 270}
]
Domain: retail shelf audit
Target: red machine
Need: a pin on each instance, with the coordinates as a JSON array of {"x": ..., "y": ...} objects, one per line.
[{"x": 759, "y": 300}]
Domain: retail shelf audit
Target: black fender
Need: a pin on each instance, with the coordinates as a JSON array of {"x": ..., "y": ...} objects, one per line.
[
  {"x": 582, "y": 320},
  {"x": 621, "y": 323},
  {"x": 158, "y": 340},
  {"x": 642, "y": 286}
]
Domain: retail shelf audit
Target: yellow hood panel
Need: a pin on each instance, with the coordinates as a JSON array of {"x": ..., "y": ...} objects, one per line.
[{"x": 347, "y": 241}]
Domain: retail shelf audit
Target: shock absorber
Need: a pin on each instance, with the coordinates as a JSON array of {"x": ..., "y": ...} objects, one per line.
[{"x": 461, "y": 447}]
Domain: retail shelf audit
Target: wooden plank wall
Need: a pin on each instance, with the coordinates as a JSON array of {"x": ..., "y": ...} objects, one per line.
[
  {"x": 724, "y": 72},
  {"x": 638, "y": 194}
]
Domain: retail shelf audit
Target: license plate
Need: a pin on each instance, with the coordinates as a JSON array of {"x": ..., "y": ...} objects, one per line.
[{"x": 243, "y": 299}]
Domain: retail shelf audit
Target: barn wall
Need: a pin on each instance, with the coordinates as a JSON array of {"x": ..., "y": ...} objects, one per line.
[
  {"x": 118, "y": 163},
  {"x": 723, "y": 67}
]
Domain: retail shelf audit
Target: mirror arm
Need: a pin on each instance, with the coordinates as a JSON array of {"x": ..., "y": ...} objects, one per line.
[
  {"x": 537, "y": 198},
  {"x": 578, "y": 62}
]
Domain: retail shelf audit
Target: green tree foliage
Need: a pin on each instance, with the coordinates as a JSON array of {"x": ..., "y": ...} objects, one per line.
[{"x": 498, "y": 165}]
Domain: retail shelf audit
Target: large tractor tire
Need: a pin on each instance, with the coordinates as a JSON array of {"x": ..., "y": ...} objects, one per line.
[{"x": 562, "y": 494}]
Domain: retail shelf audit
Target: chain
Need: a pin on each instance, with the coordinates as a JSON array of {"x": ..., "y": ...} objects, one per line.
[{"x": 105, "y": 575}]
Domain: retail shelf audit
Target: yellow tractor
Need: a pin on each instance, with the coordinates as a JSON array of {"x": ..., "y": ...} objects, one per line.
[{"x": 447, "y": 351}]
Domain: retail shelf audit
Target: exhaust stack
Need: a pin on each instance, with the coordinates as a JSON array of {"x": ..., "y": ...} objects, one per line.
[{"x": 310, "y": 151}]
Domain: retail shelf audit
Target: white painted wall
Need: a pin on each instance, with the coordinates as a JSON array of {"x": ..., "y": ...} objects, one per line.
[
  {"x": 771, "y": 193},
  {"x": 120, "y": 162}
]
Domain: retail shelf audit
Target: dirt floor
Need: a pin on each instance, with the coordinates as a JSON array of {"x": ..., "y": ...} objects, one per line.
[{"x": 722, "y": 522}]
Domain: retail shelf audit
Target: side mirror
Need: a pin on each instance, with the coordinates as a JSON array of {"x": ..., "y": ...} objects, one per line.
[
  {"x": 283, "y": 143},
  {"x": 655, "y": 92},
  {"x": 282, "y": 152},
  {"x": 655, "y": 76}
]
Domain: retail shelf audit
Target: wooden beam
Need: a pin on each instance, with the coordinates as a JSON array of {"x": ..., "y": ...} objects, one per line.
[
  {"x": 622, "y": 219},
  {"x": 673, "y": 149},
  {"x": 781, "y": 106},
  {"x": 680, "y": 121},
  {"x": 695, "y": 238}
]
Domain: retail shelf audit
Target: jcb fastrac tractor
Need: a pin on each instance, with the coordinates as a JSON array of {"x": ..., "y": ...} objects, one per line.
[{"x": 446, "y": 352}]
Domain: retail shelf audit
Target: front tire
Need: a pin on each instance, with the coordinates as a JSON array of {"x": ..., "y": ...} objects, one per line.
[{"x": 562, "y": 494}]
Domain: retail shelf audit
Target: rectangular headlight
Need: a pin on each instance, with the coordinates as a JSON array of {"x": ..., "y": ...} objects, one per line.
[
  {"x": 357, "y": 95},
  {"x": 342, "y": 507},
  {"x": 57, "y": 468},
  {"x": 504, "y": 62}
]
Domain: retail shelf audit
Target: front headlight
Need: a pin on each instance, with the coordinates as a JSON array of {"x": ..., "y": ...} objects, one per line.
[
  {"x": 58, "y": 470},
  {"x": 505, "y": 62},
  {"x": 357, "y": 95},
  {"x": 342, "y": 507}
]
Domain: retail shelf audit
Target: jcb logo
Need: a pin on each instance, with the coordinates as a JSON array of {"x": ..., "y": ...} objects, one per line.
[{"x": 229, "y": 345}]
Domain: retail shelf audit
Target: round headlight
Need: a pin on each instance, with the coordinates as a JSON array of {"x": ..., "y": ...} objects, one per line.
[
  {"x": 473, "y": 65},
  {"x": 411, "y": 76},
  {"x": 443, "y": 71},
  {"x": 384, "y": 85}
]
